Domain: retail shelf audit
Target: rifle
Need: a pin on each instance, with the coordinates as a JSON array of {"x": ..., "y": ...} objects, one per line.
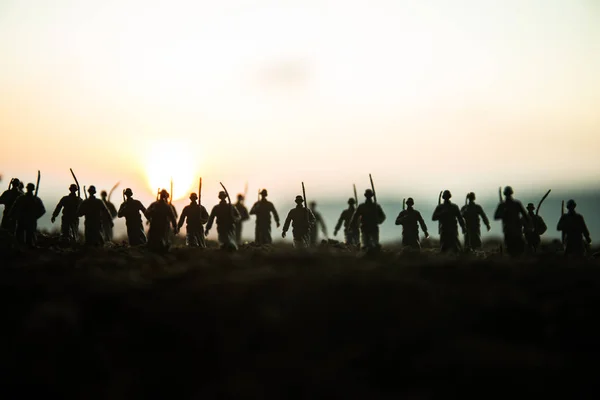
[
  {"x": 304, "y": 196},
  {"x": 226, "y": 192},
  {"x": 124, "y": 199},
  {"x": 200, "y": 191},
  {"x": 258, "y": 195},
  {"x": 245, "y": 191},
  {"x": 157, "y": 194},
  {"x": 76, "y": 182},
  {"x": 562, "y": 212},
  {"x": 85, "y": 192},
  {"x": 440, "y": 197},
  {"x": 171, "y": 194},
  {"x": 10, "y": 183},
  {"x": 373, "y": 189},
  {"x": 467, "y": 200},
  {"x": 355, "y": 195},
  {"x": 403, "y": 204},
  {"x": 500, "y": 193},
  {"x": 537, "y": 211},
  {"x": 37, "y": 185},
  {"x": 112, "y": 190}
]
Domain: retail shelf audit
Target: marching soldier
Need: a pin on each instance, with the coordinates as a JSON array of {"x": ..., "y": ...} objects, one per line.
[
  {"x": 575, "y": 231},
  {"x": 130, "y": 210},
  {"x": 369, "y": 215},
  {"x": 319, "y": 222},
  {"x": 473, "y": 214},
  {"x": 244, "y": 216},
  {"x": 8, "y": 198},
  {"x": 161, "y": 215},
  {"x": 69, "y": 226},
  {"x": 449, "y": 216},
  {"x": 351, "y": 232},
  {"x": 410, "y": 219},
  {"x": 96, "y": 214},
  {"x": 534, "y": 229},
  {"x": 196, "y": 216},
  {"x": 513, "y": 216},
  {"x": 227, "y": 216},
  {"x": 107, "y": 225},
  {"x": 303, "y": 221},
  {"x": 263, "y": 209},
  {"x": 26, "y": 210}
]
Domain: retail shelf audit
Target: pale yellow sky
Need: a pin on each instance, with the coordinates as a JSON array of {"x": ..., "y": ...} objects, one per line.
[{"x": 425, "y": 95}]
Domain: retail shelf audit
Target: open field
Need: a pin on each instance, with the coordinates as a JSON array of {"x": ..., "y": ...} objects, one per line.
[{"x": 271, "y": 322}]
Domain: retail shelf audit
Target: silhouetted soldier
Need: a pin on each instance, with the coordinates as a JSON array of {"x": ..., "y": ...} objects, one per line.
[
  {"x": 351, "y": 232},
  {"x": 8, "y": 199},
  {"x": 244, "y": 216},
  {"x": 319, "y": 222},
  {"x": 227, "y": 216},
  {"x": 26, "y": 210},
  {"x": 449, "y": 216},
  {"x": 196, "y": 216},
  {"x": 108, "y": 227},
  {"x": 575, "y": 231},
  {"x": 161, "y": 215},
  {"x": 410, "y": 219},
  {"x": 69, "y": 226},
  {"x": 96, "y": 214},
  {"x": 513, "y": 216},
  {"x": 534, "y": 229},
  {"x": 130, "y": 210},
  {"x": 473, "y": 214},
  {"x": 369, "y": 215},
  {"x": 303, "y": 221},
  {"x": 263, "y": 209}
]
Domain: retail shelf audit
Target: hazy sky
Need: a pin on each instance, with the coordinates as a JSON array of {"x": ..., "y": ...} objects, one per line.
[{"x": 462, "y": 94}]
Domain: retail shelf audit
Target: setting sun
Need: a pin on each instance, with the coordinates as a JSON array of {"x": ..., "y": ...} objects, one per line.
[{"x": 170, "y": 159}]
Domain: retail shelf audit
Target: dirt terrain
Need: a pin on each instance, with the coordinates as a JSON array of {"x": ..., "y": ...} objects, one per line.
[{"x": 122, "y": 323}]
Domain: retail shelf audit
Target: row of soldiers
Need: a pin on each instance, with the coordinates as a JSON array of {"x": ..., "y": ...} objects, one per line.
[{"x": 522, "y": 227}]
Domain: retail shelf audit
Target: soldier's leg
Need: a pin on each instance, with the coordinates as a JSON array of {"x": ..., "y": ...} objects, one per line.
[{"x": 30, "y": 235}]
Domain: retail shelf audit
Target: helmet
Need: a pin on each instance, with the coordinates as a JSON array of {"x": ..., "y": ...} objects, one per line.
[
  {"x": 72, "y": 187},
  {"x": 128, "y": 192},
  {"x": 312, "y": 204},
  {"x": 530, "y": 206},
  {"x": 368, "y": 193},
  {"x": 16, "y": 182},
  {"x": 299, "y": 199},
  {"x": 222, "y": 195},
  {"x": 351, "y": 200},
  {"x": 103, "y": 193},
  {"x": 446, "y": 195},
  {"x": 508, "y": 191},
  {"x": 193, "y": 196},
  {"x": 410, "y": 201},
  {"x": 571, "y": 204},
  {"x": 240, "y": 197},
  {"x": 471, "y": 196},
  {"x": 30, "y": 187},
  {"x": 164, "y": 194},
  {"x": 92, "y": 189},
  {"x": 264, "y": 192}
]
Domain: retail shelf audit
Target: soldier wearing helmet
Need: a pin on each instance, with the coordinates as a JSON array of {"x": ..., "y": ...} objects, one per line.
[
  {"x": 303, "y": 221},
  {"x": 473, "y": 214},
  {"x": 369, "y": 215},
  {"x": 351, "y": 232},
  {"x": 263, "y": 209},
  {"x": 319, "y": 222},
  {"x": 196, "y": 215},
  {"x": 108, "y": 225},
  {"x": 575, "y": 231},
  {"x": 161, "y": 216},
  {"x": 534, "y": 229},
  {"x": 96, "y": 214},
  {"x": 244, "y": 216},
  {"x": 513, "y": 216},
  {"x": 132, "y": 210},
  {"x": 8, "y": 198},
  {"x": 26, "y": 210},
  {"x": 410, "y": 219},
  {"x": 227, "y": 216},
  {"x": 69, "y": 226},
  {"x": 449, "y": 217}
]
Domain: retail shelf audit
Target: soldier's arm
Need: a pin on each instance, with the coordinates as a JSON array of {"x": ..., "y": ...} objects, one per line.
[
  {"x": 339, "y": 223},
  {"x": 483, "y": 215},
  {"x": 559, "y": 226},
  {"x": 400, "y": 218},
  {"x": 459, "y": 217},
  {"x": 59, "y": 207},
  {"x": 3, "y": 198},
  {"x": 235, "y": 214},
  {"x": 182, "y": 217},
  {"x": 287, "y": 222},
  {"x": 312, "y": 220},
  {"x": 41, "y": 208},
  {"x": 106, "y": 213},
  {"x": 436, "y": 213},
  {"x": 499, "y": 213},
  {"x": 584, "y": 228},
  {"x": 211, "y": 219},
  {"x": 203, "y": 215},
  {"x": 275, "y": 215},
  {"x": 543, "y": 226},
  {"x": 253, "y": 209},
  {"x": 244, "y": 214},
  {"x": 381, "y": 214},
  {"x": 422, "y": 223},
  {"x": 81, "y": 208},
  {"x": 323, "y": 226},
  {"x": 355, "y": 216}
]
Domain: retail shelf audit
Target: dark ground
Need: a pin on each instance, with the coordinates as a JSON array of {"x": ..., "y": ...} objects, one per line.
[{"x": 122, "y": 323}]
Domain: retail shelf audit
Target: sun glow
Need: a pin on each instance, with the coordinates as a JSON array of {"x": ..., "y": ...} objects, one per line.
[{"x": 170, "y": 159}]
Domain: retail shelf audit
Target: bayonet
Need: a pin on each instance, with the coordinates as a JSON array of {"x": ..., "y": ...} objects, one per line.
[
  {"x": 355, "y": 195},
  {"x": 200, "y": 191},
  {"x": 112, "y": 190},
  {"x": 403, "y": 204},
  {"x": 37, "y": 185},
  {"x": 537, "y": 211},
  {"x": 171, "y": 194},
  {"x": 373, "y": 189}
]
